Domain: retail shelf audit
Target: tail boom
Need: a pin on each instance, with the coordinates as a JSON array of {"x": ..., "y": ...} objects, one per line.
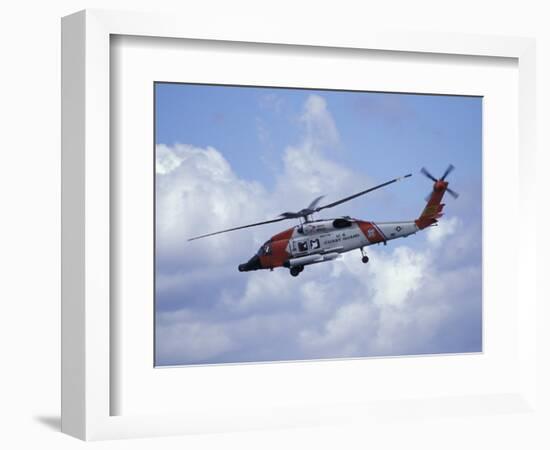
[{"x": 434, "y": 208}]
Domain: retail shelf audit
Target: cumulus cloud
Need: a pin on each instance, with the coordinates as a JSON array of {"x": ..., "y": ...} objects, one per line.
[
  {"x": 189, "y": 339},
  {"x": 400, "y": 303},
  {"x": 320, "y": 129},
  {"x": 196, "y": 192},
  {"x": 394, "y": 306},
  {"x": 309, "y": 166},
  {"x": 436, "y": 235}
]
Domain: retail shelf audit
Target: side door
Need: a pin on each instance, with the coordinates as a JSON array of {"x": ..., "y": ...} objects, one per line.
[{"x": 300, "y": 247}]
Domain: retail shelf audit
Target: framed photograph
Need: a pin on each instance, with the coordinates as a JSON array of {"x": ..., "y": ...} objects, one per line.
[
  {"x": 227, "y": 298},
  {"x": 263, "y": 228}
]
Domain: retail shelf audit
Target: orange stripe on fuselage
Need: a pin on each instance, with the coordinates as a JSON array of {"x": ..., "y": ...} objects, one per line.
[
  {"x": 279, "y": 254},
  {"x": 371, "y": 232},
  {"x": 287, "y": 234}
]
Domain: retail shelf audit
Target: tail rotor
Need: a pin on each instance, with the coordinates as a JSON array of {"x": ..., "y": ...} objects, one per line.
[
  {"x": 447, "y": 172},
  {"x": 434, "y": 208},
  {"x": 440, "y": 184},
  {"x": 428, "y": 174}
]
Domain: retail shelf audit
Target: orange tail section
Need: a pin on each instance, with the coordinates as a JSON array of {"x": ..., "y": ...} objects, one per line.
[{"x": 434, "y": 208}]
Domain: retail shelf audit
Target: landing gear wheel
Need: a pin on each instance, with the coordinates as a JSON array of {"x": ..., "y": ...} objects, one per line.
[
  {"x": 295, "y": 271},
  {"x": 364, "y": 258}
]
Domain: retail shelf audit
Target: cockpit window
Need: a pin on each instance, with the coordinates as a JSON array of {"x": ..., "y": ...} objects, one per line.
[
  {"x": 341, "y": 223},
  {"x": 265, "y": 249}
]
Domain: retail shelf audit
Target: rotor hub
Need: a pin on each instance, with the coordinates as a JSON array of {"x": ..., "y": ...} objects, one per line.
[{"x": 440, "y": 185}]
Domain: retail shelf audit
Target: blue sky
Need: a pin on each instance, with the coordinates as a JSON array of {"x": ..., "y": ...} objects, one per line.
[{"x": 230, "y": 155}]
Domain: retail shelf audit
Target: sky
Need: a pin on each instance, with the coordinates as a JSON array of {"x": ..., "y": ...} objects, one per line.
[{"x": 228, "y": 156}]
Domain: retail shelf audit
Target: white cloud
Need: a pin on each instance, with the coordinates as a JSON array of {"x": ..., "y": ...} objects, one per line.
[
  {"x": 190, "y": 340},
  {"x": 343, "y": 334},
  {"x": 397, "y": 277},
  {"x": 308, "y": 167},
  {"x": 308, "y": 174},
  {"x": 321, "y": 130},
  {"x": 264, "y": 291},
  {"x": 445, "y": 227},
  {"x": 376, "y": 302},
  {"x": 167, "y": 159},
  {"x": 198, "y": 193}
]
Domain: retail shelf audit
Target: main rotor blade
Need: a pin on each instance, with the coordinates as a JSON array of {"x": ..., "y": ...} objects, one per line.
[
  {"x": 351, "y": 197},
  {"x": 237, "y": 228},
  {"x": 428, "y": 174},
  {"x": 313, "y": 204},
  {"x": 447, "y": 172}
]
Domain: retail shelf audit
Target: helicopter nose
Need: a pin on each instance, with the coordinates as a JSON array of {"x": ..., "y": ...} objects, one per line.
[{"x": 252, "y": 264}]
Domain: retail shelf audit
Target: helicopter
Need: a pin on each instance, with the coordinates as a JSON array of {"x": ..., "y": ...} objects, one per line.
[{"x": 315, "y": 241}]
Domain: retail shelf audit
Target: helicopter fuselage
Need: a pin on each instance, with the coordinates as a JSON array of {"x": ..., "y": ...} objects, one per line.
[{"x": 324, "y": 240}]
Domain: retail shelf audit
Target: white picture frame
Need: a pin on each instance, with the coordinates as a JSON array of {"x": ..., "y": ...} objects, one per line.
[{"x": 87, "y": 355}]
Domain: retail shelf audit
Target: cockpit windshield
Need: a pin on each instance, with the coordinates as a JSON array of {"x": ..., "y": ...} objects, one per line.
[{"x": 265, "y": 249}]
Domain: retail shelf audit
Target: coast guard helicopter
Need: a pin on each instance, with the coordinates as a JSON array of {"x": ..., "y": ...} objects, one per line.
[{"x": 315, "y": 241}]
